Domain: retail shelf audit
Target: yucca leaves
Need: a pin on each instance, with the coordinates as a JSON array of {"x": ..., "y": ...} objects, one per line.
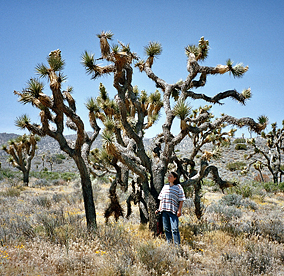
[
  {"x": 88, "y": 61},
  {"x": 34, "y": 87},
  {"x": 262, "y": 119},
  {"x": 42, "y": 70},
  {"x": 115, "y": 48},
  {"x": 107, "y": 137},
  {"x": 191, "y": 49},
  {"x": 92, "y": 105},
  {"x": 143, "y": 97},
  {"x": 109, "y": 124},
  {"x": 32, "y": 92},
  {"x": 155, "y": 97},
  {"x": 237, "y": 70},
  {"x": 200, "y": 51},
  {"x": 103, "y": 93},
  {"x": 107, "y": 34},
  {"x": 22, "y": 121},
  {"x": 247, "y": 93},
  {"x": 153, "y": 49},
  {"x": 181, "y": 109},
  {"x": 55, "y": 62}
]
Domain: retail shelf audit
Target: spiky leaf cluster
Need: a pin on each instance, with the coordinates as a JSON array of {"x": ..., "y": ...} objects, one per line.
[
  {"x": 247, "y": 93},
  {"x": 107, "y": 34},
  {"x": 88, "y": 61},
  {"x": 32, "y": 92},
  {"x": 143, "y": 97},
  {"x": 201, "y": 51},
  {"x": 108, "y": 137},
  {"x": 153, "y": 49},
  {"x": 92, "y": 105},
  {"x": 182, "y": 110},
  {"x": 109, "y": 124},
  {"x": 263, "y": 120},
  {"x": 22, "y": 121},
  {"x": 237, "y": 70},
  {"x": 55, "y": 61}
]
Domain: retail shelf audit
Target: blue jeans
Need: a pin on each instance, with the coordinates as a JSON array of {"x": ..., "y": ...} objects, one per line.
[{"x": 170, "y": 224}]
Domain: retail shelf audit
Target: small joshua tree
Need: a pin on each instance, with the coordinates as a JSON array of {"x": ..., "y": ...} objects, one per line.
[
  {"x": 22, "y": 151},
  {"x": 269, "y": 153}
]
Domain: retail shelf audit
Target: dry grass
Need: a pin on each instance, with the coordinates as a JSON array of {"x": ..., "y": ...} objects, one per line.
[{"x": 42, "y": 232}]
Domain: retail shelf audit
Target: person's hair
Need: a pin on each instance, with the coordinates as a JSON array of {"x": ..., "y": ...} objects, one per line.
[{"x": 176, "y": 181}]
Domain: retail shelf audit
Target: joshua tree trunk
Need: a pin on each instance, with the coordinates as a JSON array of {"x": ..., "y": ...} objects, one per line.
[
  {"x": 87, "y": 192},
  {"x": 197, "y": 198},
  {"x": 275, "y": 177},
  {"x": 26, "y": 177}
]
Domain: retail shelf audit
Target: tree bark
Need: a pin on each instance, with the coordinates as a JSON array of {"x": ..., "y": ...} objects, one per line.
[
  {"x": 87, "y": 190},
  {"x": 26, "y": 177}
]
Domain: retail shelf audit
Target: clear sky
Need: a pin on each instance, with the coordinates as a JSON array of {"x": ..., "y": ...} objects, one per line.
[{"x": 248, "y": 31}]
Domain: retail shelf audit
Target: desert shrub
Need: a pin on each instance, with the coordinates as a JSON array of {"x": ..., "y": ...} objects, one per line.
[
  {"x": 272, "y": 228},
  {"x": 8, "y": 173},
  {"x": 40, "y": 183},
  {"x": 239, "y": 140},
  {"x": 225, "y": 143},
  {"x": 11, "y": 192},
  {"x": 224, "y": 212},
  {"x": 234, "y": 166},
  {"x": 58, "y": 226},
  {"x": 271, "y": 187},
  {"x": 208, "y": 182},
  {"x": 246, "y": 190},
  {"x": 281, "y": 186},
  {"x": 238, "y": 201},
  {"x": 162, "y": 260},
  {"x": 49, "y": 176},
  {"x": 256, "y": 259},
  {"x": 60, "y": 156},
  {"x": 241, "y": 147},
  {"x": 42, "y": 201},
  {"x": 58, "y": 182}
]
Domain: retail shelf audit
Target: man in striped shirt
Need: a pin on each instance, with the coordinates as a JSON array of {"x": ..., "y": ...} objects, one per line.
[{"x": 171, "y": 200}]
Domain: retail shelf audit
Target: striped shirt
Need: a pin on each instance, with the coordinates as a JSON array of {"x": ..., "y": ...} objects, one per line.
[{"x": 170, "y": 196}]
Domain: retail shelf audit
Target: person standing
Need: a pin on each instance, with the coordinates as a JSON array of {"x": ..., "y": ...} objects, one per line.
[{"x": 171, "y": 200}]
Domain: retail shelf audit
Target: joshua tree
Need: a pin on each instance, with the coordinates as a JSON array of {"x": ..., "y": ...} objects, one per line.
[
  {"x": 138, "y": 111},
  {"x": 268, "y": 154},
  {"x": 22, "y": 151},
  {"x": 55, "y": 111}
]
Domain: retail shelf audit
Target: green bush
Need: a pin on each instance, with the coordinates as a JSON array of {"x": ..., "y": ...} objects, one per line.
[
  {"x": 244, "y": 190},
  {"x": 60, "y": 156},
  {"x": 281, "y": 186},
  {"x": 241, "y": 147},
  {"x": 7, "y": 173},
  {"x": 239, "y": 140},
  {"x": 49, "y": 176},
  {"x": 271, "y": 187},
  {"x": 234, "y": 166}
]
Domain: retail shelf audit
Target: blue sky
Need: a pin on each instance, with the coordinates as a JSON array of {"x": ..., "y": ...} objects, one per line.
[{"x": 249, "y": 31}]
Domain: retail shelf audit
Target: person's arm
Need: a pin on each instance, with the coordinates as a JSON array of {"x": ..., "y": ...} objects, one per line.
[
  {"x": 160, "y": 207},
  {"x": 179, "y": 208}
]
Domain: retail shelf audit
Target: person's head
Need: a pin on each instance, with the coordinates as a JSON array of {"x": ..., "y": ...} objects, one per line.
[{"x": 173, "y": 178}]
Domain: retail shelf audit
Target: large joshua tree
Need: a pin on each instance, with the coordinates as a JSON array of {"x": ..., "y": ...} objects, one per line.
[
  {"x": 22, "y": 151},
  {"x": 56, "y": 111},
  {"x": 138, "y": 111}
]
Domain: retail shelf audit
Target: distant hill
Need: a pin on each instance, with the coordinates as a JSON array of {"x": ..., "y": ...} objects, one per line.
[{"x": 49, "y": 146}]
